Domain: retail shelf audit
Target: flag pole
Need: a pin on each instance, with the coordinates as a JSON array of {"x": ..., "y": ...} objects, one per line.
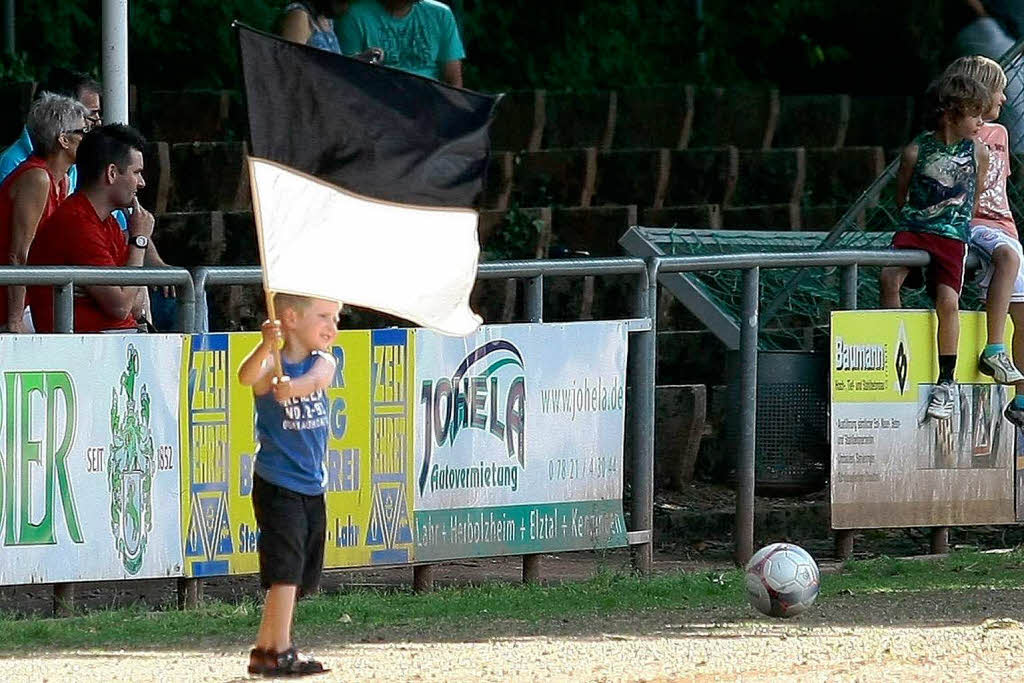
[{"x": 257, "y": 217}]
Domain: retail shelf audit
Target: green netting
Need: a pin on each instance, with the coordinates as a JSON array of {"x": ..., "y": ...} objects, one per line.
[{"x": 803, "y": 322}]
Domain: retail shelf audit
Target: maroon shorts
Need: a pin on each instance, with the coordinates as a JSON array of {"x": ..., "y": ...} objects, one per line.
[{"x": 948, "y": 258}]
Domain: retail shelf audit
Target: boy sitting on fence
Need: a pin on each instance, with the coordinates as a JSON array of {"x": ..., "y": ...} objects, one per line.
[
  {"x": 994, "y": 236},
  {"x": 937, "y": 187},
  {"x": 288, "y": 482}
]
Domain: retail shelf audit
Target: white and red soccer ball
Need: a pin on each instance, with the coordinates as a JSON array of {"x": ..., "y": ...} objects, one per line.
[{"x": 782, "y": 580}]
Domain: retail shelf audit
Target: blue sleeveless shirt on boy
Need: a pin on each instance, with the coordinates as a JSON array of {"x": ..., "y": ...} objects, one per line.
[{"x": 293, "y": 437}]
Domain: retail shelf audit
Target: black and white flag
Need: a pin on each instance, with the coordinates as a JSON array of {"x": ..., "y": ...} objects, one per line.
[{"x": 364, "y": 181}]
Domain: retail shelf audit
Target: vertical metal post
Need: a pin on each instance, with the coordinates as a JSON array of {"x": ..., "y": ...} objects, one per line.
[
  {"x": 190, "y": 590},
  {"x": 64, "y": 323},
  {"x": 702, "y": 55},
  {"x": 535, "y": 299},
  {"x": 748, "y": 417},
  {"x": 114, "y": 57},
  {"x": 939, "y": 540},
  {"x": 844, "y": 544},
  {"x": 848, "y": 302},
  {"x": 63, "y": 599},
  {"x": 642, "y": 370},
  {"x": 534, "y": 314},
  {"x": 64, "y": 308},
  {"x": 9, "y": 48},
  {"x": 848, "y": 293},
  {"x": 199, "y": 277},
  {"x": 188, "y": 593},
  {"x": 186, "y": 309},
  {"x": 423, "y": 578}
]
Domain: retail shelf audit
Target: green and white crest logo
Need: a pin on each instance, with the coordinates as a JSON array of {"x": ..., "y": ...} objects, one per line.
[{"x": 130, "y": 467}]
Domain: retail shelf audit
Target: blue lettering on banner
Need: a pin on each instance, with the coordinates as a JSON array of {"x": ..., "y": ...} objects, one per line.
[
  {"x": 247, "y": 538},
  {"x": 208, "y": 525},
  {"x": 245, "y": 469},
  {"x": 389, "y": 527},
  {"x": 339, "y": 421},
  {"x": 346, "y": 535},
  {"x": 343, "y": 469}
]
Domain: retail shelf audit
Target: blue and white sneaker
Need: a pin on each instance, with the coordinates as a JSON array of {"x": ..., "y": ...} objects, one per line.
[
  {"x": 940, "y": 404},
  {"x": 1000, "y": 368}
]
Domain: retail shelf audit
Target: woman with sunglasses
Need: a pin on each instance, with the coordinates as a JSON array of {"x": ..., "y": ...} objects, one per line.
[{"x": 56, "y": 125}]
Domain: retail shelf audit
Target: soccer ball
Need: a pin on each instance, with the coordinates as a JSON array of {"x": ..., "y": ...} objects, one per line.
[{"x": 782, "y": 580}]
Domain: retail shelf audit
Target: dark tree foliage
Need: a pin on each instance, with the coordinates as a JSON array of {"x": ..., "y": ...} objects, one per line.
[{"x": 799, "y": 45}]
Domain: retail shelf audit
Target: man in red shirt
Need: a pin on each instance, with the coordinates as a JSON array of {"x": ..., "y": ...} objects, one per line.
[{"x": 82, "y": 232}]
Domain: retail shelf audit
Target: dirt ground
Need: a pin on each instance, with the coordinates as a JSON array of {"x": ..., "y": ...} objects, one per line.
[
  {"x": 971, "y": 635},
  {"x": 966, "y": 635}
]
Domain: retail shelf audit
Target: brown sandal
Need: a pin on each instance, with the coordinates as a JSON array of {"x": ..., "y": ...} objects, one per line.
[
  {"x": 257, "y": 661},
  {"x": 291, "y": 662}
]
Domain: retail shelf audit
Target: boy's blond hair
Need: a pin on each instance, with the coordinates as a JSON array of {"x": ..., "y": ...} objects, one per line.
[
  {"x": 955, "y": 96},
  {"x": 297, "y": 302},
  {"x": 982, "y": 69}
]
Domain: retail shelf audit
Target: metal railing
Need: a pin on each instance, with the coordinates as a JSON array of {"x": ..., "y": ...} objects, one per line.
[
  {"x": 751, "y": 265},
  {"x": 642, "y": 365},
  {"x": 641, "y": 368},
  {"x": 193, "y": 313},
  {"x": 875, "y": 208},
  {"x": 63, "y": 279}
]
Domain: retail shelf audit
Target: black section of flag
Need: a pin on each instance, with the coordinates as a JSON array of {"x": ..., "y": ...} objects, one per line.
[{"x": 369, "y": 129}]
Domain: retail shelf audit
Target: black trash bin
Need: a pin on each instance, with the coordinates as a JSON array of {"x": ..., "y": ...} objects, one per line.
[{"x": 792, "y": 446}]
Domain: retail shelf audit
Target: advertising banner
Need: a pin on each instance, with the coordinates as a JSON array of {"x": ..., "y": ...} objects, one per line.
[
  {"x": 89, "y": 458},
  {"x": 892, "y": 466},
  {"x": 368, "y": 464},
  {"x": 519, "y": 439}
]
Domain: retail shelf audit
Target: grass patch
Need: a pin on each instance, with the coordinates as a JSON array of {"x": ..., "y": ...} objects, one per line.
[{"x": 458, "y": 612}]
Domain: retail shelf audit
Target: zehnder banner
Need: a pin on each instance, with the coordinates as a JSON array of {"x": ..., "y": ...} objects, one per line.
[
  {"x": 89, "y": 458},
  {"x": 519, "y": 440},
  {"x": 367, "y": 466},
  {"x": 891, "y": 465}
]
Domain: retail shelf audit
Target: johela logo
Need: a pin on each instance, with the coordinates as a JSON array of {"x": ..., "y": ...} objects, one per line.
[{"x": 493, "y": 401}]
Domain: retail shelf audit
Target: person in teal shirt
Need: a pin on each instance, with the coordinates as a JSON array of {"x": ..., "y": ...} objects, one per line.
[{"x": 418, "y": 36}]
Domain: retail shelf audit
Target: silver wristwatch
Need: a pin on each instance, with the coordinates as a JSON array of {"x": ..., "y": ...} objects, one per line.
[{"x": 140, "y": 241}]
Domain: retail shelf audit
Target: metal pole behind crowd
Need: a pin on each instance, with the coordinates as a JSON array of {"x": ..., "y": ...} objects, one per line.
[
  {"x": 115, "y": 61},
  {"x": 9, "y": 27}
]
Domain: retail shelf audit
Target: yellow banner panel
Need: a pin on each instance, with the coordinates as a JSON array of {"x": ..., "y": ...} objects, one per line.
[
  {"x": 892, "y": 465},
  {"x": 368, "y": 506}
]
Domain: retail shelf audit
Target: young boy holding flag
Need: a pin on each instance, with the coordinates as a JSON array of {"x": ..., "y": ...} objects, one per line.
[{"x": 288, "y": 487}]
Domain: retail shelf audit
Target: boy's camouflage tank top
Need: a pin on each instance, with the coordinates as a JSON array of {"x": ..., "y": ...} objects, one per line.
[{"x": 941, "y": 196}]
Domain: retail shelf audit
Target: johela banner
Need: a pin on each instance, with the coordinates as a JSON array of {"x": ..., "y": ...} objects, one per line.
[{"x": 519, "y": 438}]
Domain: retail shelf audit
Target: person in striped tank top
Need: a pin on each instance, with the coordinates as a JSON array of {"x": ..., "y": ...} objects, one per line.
[{"x": 937, "y": 190}]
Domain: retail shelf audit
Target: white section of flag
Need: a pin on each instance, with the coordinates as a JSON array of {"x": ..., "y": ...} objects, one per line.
[{"x": 418, "y": 263}]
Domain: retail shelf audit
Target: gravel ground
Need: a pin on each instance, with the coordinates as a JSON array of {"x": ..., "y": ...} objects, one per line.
[{"x": 955, "y": 636}]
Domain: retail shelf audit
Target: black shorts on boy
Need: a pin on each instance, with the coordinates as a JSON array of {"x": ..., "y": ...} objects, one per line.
[{"x": 291, "y": 542}]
